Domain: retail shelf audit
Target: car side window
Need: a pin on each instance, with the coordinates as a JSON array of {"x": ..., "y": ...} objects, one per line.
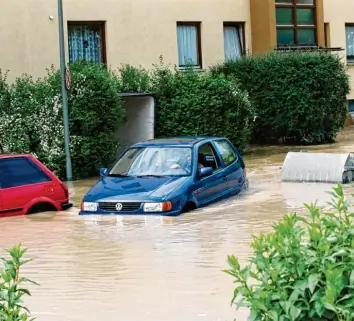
[
  {"x": 20, "y": 171},
  {"x": 207, "y": 157},
  {"x": 226, "y": 151}
]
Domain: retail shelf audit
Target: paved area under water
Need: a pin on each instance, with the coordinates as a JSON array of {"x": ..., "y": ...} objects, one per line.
[{"x": 152, "y": 268}]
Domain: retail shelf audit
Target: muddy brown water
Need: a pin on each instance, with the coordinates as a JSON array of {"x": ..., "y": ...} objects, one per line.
[{"x": 151, "y": 268}]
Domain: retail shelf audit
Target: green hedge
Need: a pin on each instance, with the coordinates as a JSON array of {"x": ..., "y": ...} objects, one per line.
[
  {"x": 194, "y": 103},
  {"x": 298, "y": 97},
  {"x": 32, "y": 119},
  {"x": 295, "y": 98}
]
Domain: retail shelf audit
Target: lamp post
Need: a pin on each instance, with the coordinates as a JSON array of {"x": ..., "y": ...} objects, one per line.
[{"x": 64, "y": 92}]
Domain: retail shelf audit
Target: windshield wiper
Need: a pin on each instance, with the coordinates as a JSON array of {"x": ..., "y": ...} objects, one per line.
[
  {"x": 150, "y": 175},
  {"x": 118, "y": 175}
]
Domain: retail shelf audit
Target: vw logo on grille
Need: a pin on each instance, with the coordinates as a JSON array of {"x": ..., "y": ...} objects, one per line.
[{"x": 119, "y": 207}]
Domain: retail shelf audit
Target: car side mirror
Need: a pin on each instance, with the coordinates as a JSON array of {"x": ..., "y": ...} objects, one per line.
[
  {"x": 103, "y": 171},
  {"x": 205, "y": 171}
]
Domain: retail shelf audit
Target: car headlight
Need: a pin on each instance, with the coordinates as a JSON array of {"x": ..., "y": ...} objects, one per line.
[
  {"x": 157, "y": 207},
  {"x": 89, "y": 206}
]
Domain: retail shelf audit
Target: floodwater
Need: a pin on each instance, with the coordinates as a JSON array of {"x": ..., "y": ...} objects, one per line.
[{"x": 152, "y": 268}]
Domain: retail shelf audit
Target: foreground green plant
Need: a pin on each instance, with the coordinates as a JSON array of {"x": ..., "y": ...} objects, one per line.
[
  {"x": 303, "y": 270},
  {"x": 11, "y": 287}
]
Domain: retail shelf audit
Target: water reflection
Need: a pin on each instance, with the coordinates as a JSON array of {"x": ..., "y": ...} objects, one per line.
[{"x": 150, "y": 268}]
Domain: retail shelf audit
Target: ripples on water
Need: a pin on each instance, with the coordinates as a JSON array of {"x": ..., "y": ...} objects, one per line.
[{"x": 153, "y": 268}]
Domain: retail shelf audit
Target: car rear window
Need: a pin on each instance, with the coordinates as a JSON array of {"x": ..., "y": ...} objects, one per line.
[{"x": 19, "y": 171}]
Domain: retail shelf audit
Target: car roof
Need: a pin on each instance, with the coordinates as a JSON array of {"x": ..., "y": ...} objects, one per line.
[
  {"x": 14, "y": 155},
  {"x": 183, "y": 141}
]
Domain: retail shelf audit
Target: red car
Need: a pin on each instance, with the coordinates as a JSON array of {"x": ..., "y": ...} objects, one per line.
[{"x": 28, "y": 187}]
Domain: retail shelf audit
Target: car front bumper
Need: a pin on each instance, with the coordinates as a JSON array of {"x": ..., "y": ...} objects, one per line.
[
  {"x": 140, "y": 212},
  {"x": 65, "y": 206}
]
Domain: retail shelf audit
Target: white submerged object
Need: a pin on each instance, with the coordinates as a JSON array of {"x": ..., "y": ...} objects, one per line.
[{"x": 318, "y": 167}]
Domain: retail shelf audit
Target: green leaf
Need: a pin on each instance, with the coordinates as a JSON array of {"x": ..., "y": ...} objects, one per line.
[
  {"x": 285, "y": 306},
  {"x": 259, "y": 305},
  {"x": 319, "y": 308},
  {"x": 329, "y": 306},
  {"x": 273, "y": 315},
  {"x": 294, "y": 296},
  {"x": 294, "y": 313},
  {"x": 313, "y": 281},
  {"x": 351, "y": 280}
]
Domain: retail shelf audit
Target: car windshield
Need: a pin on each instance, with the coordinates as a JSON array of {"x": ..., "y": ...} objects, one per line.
[{"x": 154, "y": 161}]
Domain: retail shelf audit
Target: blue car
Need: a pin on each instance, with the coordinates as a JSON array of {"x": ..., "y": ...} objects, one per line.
[{"x": 168, "y": 176}]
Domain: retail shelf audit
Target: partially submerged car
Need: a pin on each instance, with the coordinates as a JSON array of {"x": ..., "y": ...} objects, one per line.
[
  {"x": 168, "y": 177},
  {"x": 28, "y": 187}
]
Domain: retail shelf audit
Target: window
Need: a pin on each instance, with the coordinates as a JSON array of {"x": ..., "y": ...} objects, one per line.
[
  {"x": 351, "y": 106},
  {"x": 233, "y": 40},
  {"x": 189, "y": 44},
  {"x": 296, "y": 22},
  {"x": 349, "y": 33},
  {"x": 206, "y": 157},
  {"x": 154, "y": 161},
  {"x": 227, "y": 153},
  {"x": 20, "y": 171},
  {"x": 87, "y": 41}
]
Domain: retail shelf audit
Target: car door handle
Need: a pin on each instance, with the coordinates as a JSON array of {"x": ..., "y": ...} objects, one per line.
[{"x": 224, "y": 178}]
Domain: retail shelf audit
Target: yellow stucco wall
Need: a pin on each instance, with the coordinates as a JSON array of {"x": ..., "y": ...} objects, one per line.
[
  {"x": 137, "y": 31},
  {"x": 337, "y": 13}
]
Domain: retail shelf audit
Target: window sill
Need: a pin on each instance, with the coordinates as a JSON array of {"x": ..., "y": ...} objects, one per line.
[
  {"x": 197, "y": 69},
  {"x": 350, "y": 63}
]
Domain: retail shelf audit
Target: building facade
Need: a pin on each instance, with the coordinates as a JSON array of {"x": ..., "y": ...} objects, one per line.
[{"x": 138, "y": 32}]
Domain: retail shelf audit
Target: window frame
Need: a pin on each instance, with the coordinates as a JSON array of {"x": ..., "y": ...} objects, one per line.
[
  {"x": 350, "y": 61},
  {"x": 242, "y": 33},
  {"x": 96, "y": 23},
  {"x": 196, "y": 24},
  {"x": 294, "y": 6},
  {"x": 48, "y": 179}
]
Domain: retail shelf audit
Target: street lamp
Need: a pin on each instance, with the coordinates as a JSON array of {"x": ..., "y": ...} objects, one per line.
[{"x": 69, "y": 175}]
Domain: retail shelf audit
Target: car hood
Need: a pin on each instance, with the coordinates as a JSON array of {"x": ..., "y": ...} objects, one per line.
[{"x": 133, "y": 188}]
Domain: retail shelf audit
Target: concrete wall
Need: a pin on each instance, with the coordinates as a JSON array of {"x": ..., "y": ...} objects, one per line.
[
  {"x": 137, "y": 31},
  {"x": 140, "y": 113},
  {"x": 337, "y": 13}
]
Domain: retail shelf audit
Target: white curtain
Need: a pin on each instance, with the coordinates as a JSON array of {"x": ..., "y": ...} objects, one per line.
[
  {"x": 232, "y": 43},
  {"x": 84, "y": 44},
  {"x": 349, "y": 32},
  {"x": 187, "y": 37}
]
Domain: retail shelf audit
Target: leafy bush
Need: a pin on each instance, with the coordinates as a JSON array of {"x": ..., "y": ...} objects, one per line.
[
  {"x": 33, "y": 122},
  {"x": 193, "y": 103},
  {"x": 11, "y": 287},
  {"x": 298, "y": 97},
  {"x": 96, "y": 111},
  {"x": 303, "y": 270},
  {"x": 133, "y": 79}
]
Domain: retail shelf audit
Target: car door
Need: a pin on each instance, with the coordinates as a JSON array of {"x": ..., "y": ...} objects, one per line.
[
  {"x": 209, "y": 188},
  {"x": 232, "y": 165},
  {"x": 21, "y": 181},
  {"x": 1, "y": 208}
]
